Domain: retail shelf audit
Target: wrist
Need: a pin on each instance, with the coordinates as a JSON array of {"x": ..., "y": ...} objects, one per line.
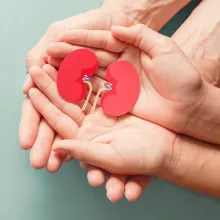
[
  {"x": 153, "y": 13},
  {"x": 194, "y": 165},
  {"x": 205, "y": 123}
]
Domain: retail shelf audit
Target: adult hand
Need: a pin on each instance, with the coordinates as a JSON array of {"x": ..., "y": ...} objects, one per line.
[
  {"x": 95, "y": 38},
  {"x": 77, "y": 38},
  {"x": 154, "y": 14},
  {"x": 63, "y": 121},
  {"x": 156, "y": 59},
  {"x": 161, "y": 153},
  {"x": 35, "y": 134},
  {"x": 116, "y": 184}
]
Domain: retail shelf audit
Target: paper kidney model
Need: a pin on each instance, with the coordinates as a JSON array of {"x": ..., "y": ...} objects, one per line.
[
  {"x": 73, "y": 69},
  {"x": 125, "y": 88}
]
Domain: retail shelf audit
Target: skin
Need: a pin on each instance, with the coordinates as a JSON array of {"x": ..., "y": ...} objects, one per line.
[
  {"x": 182, "y": 160},
  {"x": 118, "y": 46},
  {"x": 198, "y": 38},
  {"x": 116, "y": 12},
  {"x": 108, "y": 143},
  {"x": 181, "y": 37},
  {"x": 184, "y": 92}
]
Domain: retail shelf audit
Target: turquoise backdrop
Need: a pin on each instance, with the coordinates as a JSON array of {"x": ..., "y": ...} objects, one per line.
[{"x": 27, "y": 194}]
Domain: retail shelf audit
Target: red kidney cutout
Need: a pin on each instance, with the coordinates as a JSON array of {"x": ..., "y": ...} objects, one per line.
[
  {"x": 125, "y": 89},
  {"x": 71, "y": 73}
]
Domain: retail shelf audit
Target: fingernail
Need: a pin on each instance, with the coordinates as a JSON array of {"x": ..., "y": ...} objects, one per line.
[
  {"x": 129, "y": 194},
  {"x": 27, "y": 81},
  {"x": 110, "y": 199},
  {"x": 109, "y": 192}
]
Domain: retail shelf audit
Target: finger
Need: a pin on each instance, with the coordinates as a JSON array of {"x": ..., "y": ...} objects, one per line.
[
  {"x": 40, "y": 151},
  {"x": 50, "y": 71},
  {"x": 84, "y": 165},
  {"x": 95, "y": 154},
  {"x": 29, "y": 124},
  {"x": 61, "y": 49},
  {"x": 96, "y": 176},
  {"x": 49, "y": 88},
  {"x": 135, "y": 187},
  {"x": 58, "y": 51},
  {"x": 94, "y": 38},
  {"x": 145, "y": 39},
  {"x": 55, "y": 159},
  {"x": 115, "y": 187},
  {"x": 59, "y": 121},
  {"x": 101, "y": 73},
  {"x": 28, "y": 84},
  {"x": 100, "y": 155},
  {"x": 55, "y": 62}
]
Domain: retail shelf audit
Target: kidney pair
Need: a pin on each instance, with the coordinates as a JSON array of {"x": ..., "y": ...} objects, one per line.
[{"x": 120, "y": 94}]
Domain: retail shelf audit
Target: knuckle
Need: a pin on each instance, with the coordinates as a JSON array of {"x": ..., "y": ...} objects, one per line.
[
  {"x": 58, "y": 126},
  {"x": 164, "y": 40},
  {"x": 167, "y": 45},
  {"x": 83, "y": 153},
  {"x": 140, "y": 27},
  {"x": 56, "y": 26}
]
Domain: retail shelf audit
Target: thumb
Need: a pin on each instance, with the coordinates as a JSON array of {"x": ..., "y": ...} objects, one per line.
[
  {"x": 146, "y": 39},
  {"x": 96, "y": 154}
]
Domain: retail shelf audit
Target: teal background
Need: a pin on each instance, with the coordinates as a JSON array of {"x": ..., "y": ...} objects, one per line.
[{"x": 27, "y": 194}]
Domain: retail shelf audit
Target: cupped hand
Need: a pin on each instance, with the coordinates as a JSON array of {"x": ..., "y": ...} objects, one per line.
[
  {"x": 101, "y": 126},
  {"x": 34, "y": 133},
  {"x": 45, "y": 79},
  {"x": 104, "y": 40},
  {"x": 120, "y": 145},
  {"x": 170, "y": 84}
]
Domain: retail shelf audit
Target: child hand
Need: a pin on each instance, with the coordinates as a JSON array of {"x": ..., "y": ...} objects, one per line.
[
  {"x": 120, "y": 145},
  {"x": 64, "y": 118}
]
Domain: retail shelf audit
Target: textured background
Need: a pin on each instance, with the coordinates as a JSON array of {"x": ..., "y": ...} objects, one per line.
[{"x": 26, "y": 194}]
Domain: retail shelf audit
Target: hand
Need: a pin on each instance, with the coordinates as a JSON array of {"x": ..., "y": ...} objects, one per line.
[
  {"x": 77, "y": 38},
  {"x": 164, "y": 154},
  {"x": 120, "y": 145},
  {"x": 64, "y": 125},
  {"x": 41, "y": 142},
  {"x": 115, "y": 13},
  {"x": 165, "y": 84},
  {"x": 35, "y": 134}
]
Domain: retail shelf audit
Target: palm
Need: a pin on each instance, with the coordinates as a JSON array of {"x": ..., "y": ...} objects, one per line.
[
  {"x": 123, "y": 134},
  {"x": 161, "y": 88},
  {"x": 31, "y": 130},
  {"x": 168, "y": 80}
]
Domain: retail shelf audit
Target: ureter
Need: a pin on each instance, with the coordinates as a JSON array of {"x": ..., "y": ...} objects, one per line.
[
  {"x": 88, "y": 96},
  {"x": 97, "y": 98}
]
